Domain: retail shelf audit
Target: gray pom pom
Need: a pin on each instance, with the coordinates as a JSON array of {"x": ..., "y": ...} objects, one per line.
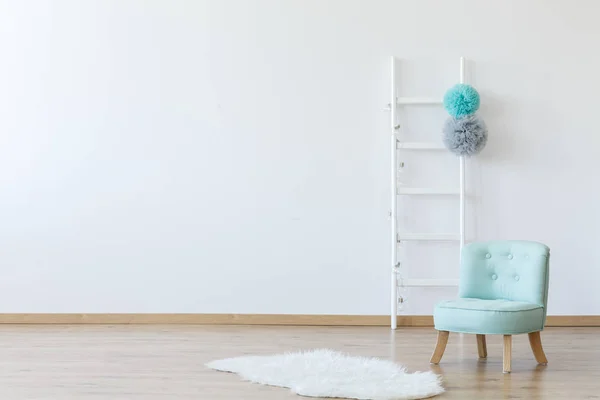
[{"x": 465, "y": 136}]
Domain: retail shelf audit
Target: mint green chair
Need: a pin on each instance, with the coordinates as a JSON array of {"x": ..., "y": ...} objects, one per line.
[{"x": 503, "y": 290}]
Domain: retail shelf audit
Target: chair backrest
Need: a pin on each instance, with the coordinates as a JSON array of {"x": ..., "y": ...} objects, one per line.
[{"x": 508, "y": 269}]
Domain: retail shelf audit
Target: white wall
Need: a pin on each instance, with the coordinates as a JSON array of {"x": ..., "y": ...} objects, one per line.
[{"x": 232, "y": 156}]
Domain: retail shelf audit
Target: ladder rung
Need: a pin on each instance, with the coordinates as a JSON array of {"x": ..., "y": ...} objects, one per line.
[
  {"x": 420, "y": 146},
  {"x": 426, "y": 191},
  {"x": 418, "y": 101},
  {"x": 431, "y": 282},
  {"x": 440, "y": 237}
]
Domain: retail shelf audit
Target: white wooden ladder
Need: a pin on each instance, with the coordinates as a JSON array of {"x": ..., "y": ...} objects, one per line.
[{"x": 397, "y": 238}]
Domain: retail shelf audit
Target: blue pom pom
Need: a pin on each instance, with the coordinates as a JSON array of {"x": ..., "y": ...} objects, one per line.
[{"x": 461, "y": 100}]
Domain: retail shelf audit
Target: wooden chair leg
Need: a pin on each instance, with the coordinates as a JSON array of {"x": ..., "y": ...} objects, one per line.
[
  {"x": 440, "y": 347},
  {"x": 481, "y": 346},
  {"x": 507, "y": 353},
  {"x": 535, "y": 341}
]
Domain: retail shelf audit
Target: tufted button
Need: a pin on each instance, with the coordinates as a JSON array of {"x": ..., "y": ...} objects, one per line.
[
  {"x": 494, "y": 276},
  {"x": 488, "y": 255},
  {"x": 517, "y": 278},
  {"x": 510, "y": 256}
]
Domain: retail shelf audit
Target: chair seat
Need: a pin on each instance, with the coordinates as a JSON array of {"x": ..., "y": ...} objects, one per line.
[{"x": 483, "y": 317}]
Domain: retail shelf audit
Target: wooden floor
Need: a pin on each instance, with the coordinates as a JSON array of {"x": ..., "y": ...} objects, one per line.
[{"x": 153, "y": 362}]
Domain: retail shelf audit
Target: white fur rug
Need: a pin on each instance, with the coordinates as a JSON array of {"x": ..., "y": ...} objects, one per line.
[{"x": 326, "y": 373}]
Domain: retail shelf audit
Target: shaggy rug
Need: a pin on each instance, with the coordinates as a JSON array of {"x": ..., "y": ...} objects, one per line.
[{"x": 326, "y": 373}]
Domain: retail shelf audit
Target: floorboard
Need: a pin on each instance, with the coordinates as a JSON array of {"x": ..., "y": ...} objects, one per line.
[{"x": 167, "y": 362}]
